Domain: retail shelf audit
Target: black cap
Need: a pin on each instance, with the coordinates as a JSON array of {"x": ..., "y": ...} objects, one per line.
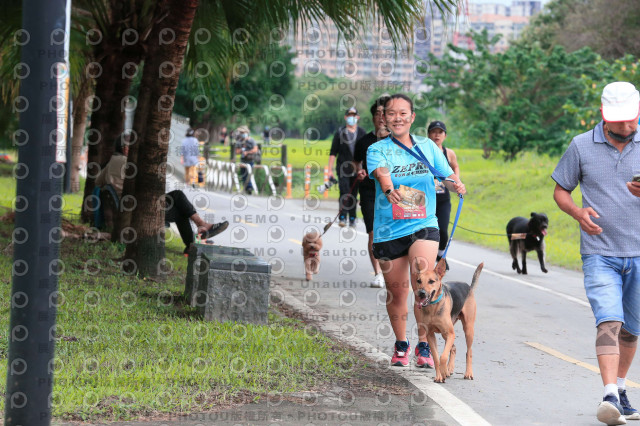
[
  {"x": 351, "y": 110},
  {"x": 437, "y": 125}
]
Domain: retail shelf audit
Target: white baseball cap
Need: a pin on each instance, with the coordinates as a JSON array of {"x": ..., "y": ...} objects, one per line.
[{"x": 620, "y": 102}]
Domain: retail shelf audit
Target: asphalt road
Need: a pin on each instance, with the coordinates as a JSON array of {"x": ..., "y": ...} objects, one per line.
[{"x": 534, "y": 355}]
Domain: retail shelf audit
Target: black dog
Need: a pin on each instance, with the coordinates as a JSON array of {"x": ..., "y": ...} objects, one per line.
[{"x": 527, "y": 235}]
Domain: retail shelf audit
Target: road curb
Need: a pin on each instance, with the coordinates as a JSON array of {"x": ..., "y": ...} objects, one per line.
[{"x": 457, "y": 409}]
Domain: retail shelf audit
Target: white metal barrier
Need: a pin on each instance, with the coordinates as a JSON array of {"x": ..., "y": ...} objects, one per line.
[{"x": 223, "y": 176}]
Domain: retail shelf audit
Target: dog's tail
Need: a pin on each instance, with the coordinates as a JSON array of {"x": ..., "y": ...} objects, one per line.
[{"x": 476, "y": 275}]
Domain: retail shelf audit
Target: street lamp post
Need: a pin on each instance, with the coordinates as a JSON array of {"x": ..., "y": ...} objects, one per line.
[{"x": 41, "y": 138}]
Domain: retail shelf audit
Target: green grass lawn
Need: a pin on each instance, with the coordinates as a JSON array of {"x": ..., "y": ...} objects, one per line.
[{"x": 128, "y": 347}]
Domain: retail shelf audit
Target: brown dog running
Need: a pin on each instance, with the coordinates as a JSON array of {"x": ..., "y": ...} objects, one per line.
[
  {"x": 311, "y": 246},
  {"x": 441, "y": 306}
]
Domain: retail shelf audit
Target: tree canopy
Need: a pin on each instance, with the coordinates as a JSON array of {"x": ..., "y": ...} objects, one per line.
[
  {"x": 608, "y": 27},
  {"x": 513, "y": 101}
]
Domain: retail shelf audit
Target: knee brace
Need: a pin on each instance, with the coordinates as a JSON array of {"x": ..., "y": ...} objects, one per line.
[
  {"x": 607, "y": 338},
  {"x": 627, "y": 339}
]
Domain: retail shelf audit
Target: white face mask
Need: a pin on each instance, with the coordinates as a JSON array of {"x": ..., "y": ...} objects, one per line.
[
  {"x": 245, "y": 135},
  {"x": 352, "y": 120}
]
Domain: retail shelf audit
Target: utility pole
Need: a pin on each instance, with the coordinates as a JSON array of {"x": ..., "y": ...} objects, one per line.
[{"x": 41, "y": 138}]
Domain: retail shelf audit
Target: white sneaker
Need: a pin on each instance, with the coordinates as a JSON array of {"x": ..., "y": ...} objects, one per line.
[
  {"x": 378, "y": 281},
  {"x": 610, "y": 412}
]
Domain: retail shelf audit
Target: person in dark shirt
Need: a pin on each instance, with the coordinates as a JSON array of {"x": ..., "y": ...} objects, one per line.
[
  {"x": 223, "y": 135},
  {"x": 438, "y": 133},
  {"x": 247, "y": 148},
  {"x": 266, "y": 135},
  {"x": 367, "y": 186},
  {"x": 341, "y": 153}
]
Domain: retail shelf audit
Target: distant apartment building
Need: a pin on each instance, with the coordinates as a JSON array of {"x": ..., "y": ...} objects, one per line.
[
  {"x": 496, "y": 18},
  {"x": 371, "y": 59},
  {"x": 373, "y": 62}
]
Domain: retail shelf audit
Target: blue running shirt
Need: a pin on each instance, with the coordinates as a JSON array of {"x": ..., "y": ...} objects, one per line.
[{"x": 405, "y": 170}]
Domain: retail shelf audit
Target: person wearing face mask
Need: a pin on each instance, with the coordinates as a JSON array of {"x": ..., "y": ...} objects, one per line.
[
  {"x": 247, "y": 148},
  {"x": 341, "y": 153},
  {"x": 605, "y": 162}
]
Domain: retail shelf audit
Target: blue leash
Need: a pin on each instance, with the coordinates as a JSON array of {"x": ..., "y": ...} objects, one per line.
[
  {"x": 421, "y": 157},
  {"x": 455, "y": 223}
]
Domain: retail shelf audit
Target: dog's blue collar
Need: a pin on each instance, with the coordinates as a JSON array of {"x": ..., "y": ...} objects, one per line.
[{"x": 438, "y": 299}]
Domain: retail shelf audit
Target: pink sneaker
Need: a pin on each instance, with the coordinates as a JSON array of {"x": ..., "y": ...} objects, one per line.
[
  {"x": 424, "y": 355},
  {"x": 401, "y": 354}
]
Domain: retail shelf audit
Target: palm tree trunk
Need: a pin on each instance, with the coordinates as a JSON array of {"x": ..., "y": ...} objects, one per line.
[
  {"x": 79, "y": 125},
  {"x": 107, "y": 122},
  {"x": 152, "y": 123}
]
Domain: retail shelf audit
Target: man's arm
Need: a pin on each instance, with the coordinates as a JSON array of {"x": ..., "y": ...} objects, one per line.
[
  {"x": 254, "y": 149},
  {"x": 335, "y": 146},
  {"x": 360, "y": 172},
  {"x": 332, "y": 160},
  {"x": 563, "y": 199},
  {"x": 634, "y": 188}
]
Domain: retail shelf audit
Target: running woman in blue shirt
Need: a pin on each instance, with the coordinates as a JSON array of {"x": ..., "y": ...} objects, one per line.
[{"x": 405, "y": 228}]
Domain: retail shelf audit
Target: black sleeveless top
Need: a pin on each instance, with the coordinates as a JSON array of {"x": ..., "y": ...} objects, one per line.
[{"x": 442, "y": 196}]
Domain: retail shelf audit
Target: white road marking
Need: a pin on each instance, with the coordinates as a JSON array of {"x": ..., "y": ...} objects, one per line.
[
  {"x": 457, "y": 409},
  {"x": 523, "y": 282}
]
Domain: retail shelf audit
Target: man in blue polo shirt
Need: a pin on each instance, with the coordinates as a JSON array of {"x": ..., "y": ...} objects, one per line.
[{"x": 603, "y": 161}]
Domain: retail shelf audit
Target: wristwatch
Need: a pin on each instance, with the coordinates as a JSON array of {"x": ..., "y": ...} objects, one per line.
[{"x": 387, "y": 192}]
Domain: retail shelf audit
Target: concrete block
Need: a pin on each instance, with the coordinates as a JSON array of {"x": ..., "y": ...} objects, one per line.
[{"x": 229, "y": 284}]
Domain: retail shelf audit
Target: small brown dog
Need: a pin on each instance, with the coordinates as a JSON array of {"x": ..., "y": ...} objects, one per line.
[
  {"x": 311, "y": 246},
  {"x": 441, "y": 306}
]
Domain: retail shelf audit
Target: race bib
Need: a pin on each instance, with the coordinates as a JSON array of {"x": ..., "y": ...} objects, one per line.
[
  {"x": 412, "y": 205},
  {"x": 440, "y": 188}
]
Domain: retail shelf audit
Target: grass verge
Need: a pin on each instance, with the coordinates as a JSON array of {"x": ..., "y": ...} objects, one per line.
[{"x": 128, "y": 347}]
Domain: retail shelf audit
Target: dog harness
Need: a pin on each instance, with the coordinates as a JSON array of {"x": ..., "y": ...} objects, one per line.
[{"x": 423, "y": 159}]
